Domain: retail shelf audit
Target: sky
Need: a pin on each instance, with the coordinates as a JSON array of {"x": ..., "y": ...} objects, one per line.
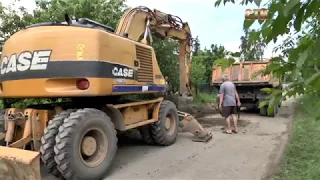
[{"x": 221, "y": 25}]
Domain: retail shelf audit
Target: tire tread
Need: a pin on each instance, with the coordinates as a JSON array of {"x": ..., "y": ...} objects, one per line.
[
  {"x": 64, "y": 137},
  {"x": 157, "y": 133},
  {"x": 48, "y": 142}
]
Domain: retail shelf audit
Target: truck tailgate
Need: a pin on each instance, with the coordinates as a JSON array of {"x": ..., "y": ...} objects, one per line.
[{"x": 242, "y": 72}]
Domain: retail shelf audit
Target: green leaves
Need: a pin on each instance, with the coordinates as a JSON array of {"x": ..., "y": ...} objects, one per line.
[
  {"x": 247, "y": 24},
  {"x": 302, "y": 58},
  {"x": 263, "y": 104},
  {"x": 166, "y": 53},
  {"x": 224, "y": 63},
  {"x": 299, "y": 19},
  {"x": 271, "y": 106},
  {"x": 274, "y": 98},
  {"x": 291, "y": 4},
  {"x": 266, "y": 90},
  {"x": 312, "y": 78}
]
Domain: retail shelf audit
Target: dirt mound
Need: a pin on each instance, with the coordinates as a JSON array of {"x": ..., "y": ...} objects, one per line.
[{"x": 201, "y": 110}]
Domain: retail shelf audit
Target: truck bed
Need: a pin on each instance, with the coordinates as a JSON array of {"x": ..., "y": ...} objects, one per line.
[{"x": 241, "y": 74}]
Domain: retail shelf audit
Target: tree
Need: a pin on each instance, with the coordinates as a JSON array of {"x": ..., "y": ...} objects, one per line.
[
  {"x": 211, "y": 55},
  {"x": 198, "y": 68},
  {"x": 251, "y": 48},
  {"x": 196, "y": 46},
  {"x": 106, "y": 12},
  {"x": 168, "y": 60},
  {"x": 10, "y": 21}
]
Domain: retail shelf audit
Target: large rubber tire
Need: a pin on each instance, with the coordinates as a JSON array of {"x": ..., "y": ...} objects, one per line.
[
  {"x": 2, "y": 128},
  {"x": 48, "y": 141},
  {"x": 159, "y": 132},
  {"x": 146, "y": 134},
  {"x": 264, "y": 111},
  {"x": 68, "y": 140}
]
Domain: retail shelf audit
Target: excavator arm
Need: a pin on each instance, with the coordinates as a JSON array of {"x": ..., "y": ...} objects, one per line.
[{"x": 140, "y": 23}]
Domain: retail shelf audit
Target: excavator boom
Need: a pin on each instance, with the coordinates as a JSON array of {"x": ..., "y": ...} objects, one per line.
[{"x": 141, "y": 22}]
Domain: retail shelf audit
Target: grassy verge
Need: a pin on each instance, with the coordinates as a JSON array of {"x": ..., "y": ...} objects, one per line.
[
  {"x": 204, "y": 98},
  {"x": 302, "y": 157}
]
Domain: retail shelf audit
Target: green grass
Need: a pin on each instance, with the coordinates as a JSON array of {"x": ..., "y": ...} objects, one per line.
[
  {"x": 204, "y": 98},
  {"x": 302, "y": 157}
]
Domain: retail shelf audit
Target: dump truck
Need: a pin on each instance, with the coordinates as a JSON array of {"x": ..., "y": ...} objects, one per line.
[
  {"x": 91, "y": 66},
  {"x": 249, "y": 83}
]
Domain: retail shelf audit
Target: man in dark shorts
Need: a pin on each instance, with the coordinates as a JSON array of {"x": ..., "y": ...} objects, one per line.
[{"x": 228, "y": 102}]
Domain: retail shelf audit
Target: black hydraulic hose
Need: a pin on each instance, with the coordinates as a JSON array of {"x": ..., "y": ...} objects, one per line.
[{"x": 175, "y": 21}]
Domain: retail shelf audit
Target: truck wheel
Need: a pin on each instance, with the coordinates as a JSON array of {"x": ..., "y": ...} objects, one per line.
[
  {"x": 2, "y": 129},
  {"x": 146, "y": 134},
  {"x": 165, "y": 130},
  {"x": 275, "y": 111},
  {"x": 85, "y": 145},
  {"x": 264, "y": 111},
  {"x": 48, "y": 142}
]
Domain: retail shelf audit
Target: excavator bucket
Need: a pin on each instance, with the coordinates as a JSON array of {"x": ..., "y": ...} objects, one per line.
[
  {"x": 190, "y": 124},
  {"x": 18, "y": 164}
]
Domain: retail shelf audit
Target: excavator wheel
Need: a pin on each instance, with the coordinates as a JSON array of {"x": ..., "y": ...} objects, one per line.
[
  {"x": 2, "y": 129},
  {"x": 165, "y": 130},
  {"x": 85, "y": 145},
  {"x": 48, "y": 142},
  {"x": 146, "y": 134}
]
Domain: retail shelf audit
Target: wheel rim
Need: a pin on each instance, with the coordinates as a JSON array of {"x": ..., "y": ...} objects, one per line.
[
  {"x": 93, "y": 147},
  {"x": 170, "y": 124}
]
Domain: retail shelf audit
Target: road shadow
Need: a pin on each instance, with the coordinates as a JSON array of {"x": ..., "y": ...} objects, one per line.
[
  {"x": 130, "y": 143},
  {"x": 214, "y": 122}
]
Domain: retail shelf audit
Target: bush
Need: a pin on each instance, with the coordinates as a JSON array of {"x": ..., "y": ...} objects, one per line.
[{"x": 204, "y": 98}]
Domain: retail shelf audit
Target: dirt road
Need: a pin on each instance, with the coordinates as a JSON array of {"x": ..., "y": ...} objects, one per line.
[{"x": 251, "y": 154}]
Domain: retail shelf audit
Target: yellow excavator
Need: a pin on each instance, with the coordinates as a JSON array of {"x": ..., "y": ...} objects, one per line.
[{"x": 93, "y": 66}]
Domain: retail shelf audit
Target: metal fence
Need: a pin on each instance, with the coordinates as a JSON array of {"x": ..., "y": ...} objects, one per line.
[{"x": 204, "y": 87}]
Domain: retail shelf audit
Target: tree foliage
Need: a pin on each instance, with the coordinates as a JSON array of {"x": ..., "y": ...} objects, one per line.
[
  {"x": 168, "y": 60},
  {"x": 299, "y": 20}
]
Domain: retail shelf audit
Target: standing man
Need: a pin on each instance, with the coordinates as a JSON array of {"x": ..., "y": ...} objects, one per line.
[
  {"x": 168, "y": 84},
  {"x": 228, "y": 102}
]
